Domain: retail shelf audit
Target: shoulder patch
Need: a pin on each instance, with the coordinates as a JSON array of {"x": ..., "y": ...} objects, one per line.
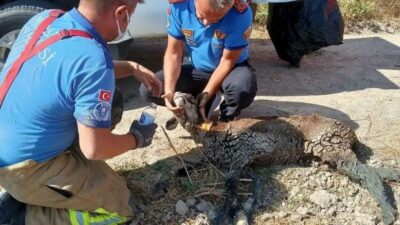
[
  {"x": 176, "y": 1},
  {"x": 219, "y": 34},
  {"x": 188, "y": 33},
  {"x": 240, "y": 5}
]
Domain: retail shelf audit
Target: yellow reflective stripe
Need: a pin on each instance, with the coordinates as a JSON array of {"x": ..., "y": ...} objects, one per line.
[
  {"x": 106, "y": 218},
  {"x": 98, "y": 217},
  {"x": 86, "y": 218},
  {"x": 79, "y": 217},
  {"x": 72, "y": 217}
]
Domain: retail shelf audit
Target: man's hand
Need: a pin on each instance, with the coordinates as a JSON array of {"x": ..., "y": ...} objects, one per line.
[
  {"x": 169, "y": 103},
  {"x": 202, "y": 100},
  {"x": 149, "y": 79},
  {"x": 142, "y": 133}
]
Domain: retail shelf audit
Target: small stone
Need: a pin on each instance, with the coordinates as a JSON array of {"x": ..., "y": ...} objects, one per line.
[
  {"x": 322, "y": 199},
  {"x": 365, "y": 219},
  {"x": 294, "y": 192},
  {"x": 281, "y": 215},
  {"x": 181, "y": 208},
  {"x": 191, "y": 202},
  {"x": 211, "y": 215},
  {"x": 344, "y": 182},
  {"x": 241, "y": 219},
  {"x": 266, "y": 216},
  {"x": 331, "y": 211},
  {"x": 248, "y": 205},
  {"x": 202, "y": 219},
  {"x": 303, "y": 211},
  {"x": 295, "y": 218},
  {"x": 204, "y": 206}
]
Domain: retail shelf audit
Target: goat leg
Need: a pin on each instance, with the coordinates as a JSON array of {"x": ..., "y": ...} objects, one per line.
[
  {"x": 370, "y": 179},
  {"x": 256, "y": 189},
  {"x": 231, "y": 205}
]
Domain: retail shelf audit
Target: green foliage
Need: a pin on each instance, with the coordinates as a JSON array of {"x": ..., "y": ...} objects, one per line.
[{"x": 186, "y": 185}]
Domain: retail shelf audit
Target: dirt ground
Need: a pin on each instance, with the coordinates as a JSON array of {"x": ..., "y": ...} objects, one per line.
[{"x": 357, "y": 82}]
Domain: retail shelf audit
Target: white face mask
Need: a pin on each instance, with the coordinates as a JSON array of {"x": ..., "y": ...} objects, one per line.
[{"x": 120, "y": 33}]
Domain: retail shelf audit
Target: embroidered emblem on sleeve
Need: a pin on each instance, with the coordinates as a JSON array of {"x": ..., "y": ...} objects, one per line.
[
  {"x": 102, "y": 111},
  {"x": 219, "y": 35},
  {"x": 187, "y": 33}
]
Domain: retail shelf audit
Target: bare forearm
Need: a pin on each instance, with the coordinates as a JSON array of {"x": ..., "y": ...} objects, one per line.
[
  {"x": 114, "y": 145},
  {"x": 218, "y": 77},
  {"x": 125, "y": 68},
  {"x": 100, "y": 144},
  {"x": 172, "y": 69}
]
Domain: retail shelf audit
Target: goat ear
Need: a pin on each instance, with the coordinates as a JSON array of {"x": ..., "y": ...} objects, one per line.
[
  {"x": 171, "y": 124},
  {"x": 202, "y": 99}
]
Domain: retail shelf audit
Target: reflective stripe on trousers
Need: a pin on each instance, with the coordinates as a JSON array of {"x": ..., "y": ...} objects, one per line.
[{"x": 97, "y": 217}]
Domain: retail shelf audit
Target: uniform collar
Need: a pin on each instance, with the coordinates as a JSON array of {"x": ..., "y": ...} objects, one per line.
[{"x": 79, "y": 18}]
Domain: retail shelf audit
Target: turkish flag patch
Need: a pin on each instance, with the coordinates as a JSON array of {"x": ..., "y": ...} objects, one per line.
[{"x": 104, "y": 95}]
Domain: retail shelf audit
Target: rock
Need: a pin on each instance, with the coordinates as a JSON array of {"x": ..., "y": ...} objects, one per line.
[
  {"x": 295, "y": 218},
  {"x": 331, "y": 211},
  {"x": 281, "y": 215},
  {"x": 204, "y": 206},
  {"x": 202, "y": 219},
  {"x": 294, "y": 192},
  {"x": 211, "y": 214},
  {"x": 303, "y": 211},
  {"x": 181, "y": 208},
  {"x": 241, "y": 219},
  {"x": 323, "y": 199},
  {"x": 344, "y": 182},
  {"x": 312, "y": 184},
  {"x": 365, "y": 219},
  {"x": 248, "y": 205},
  {"x": 191, "y": 202},
  {"x": 266, "y": 216}
]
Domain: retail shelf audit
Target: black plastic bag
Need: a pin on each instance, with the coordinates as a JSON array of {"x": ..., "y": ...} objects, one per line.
[{"x": 301, "y": 27}]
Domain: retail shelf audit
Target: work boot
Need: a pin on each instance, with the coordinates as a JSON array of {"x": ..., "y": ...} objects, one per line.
[{"x": 12, "y": 212}]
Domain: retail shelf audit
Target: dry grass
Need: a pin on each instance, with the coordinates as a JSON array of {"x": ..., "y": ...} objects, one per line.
[{"x": 353, "y": 10}]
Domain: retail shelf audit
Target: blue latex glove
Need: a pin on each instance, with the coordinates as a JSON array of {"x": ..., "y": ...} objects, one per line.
[{"x": 142, "y": 133}]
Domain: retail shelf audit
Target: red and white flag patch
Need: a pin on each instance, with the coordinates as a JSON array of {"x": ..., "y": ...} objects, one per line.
[{"x": 104, "y": 96}]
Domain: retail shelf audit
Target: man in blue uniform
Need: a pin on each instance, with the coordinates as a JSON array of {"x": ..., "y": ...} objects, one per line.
[
  {"x": 57, "y": 86},
  {"x": 215, "y": 34}
]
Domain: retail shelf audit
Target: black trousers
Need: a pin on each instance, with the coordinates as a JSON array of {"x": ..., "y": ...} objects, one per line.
[
  {"x": 12, "y": 212},
  {"x": 239, "y": 88}
]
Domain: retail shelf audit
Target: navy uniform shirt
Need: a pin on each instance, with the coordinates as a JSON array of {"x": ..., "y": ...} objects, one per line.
[{"x": 205, "y": 45}]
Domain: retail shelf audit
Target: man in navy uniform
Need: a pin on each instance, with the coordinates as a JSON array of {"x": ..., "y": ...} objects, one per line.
[{"x": 216, "y": 35}]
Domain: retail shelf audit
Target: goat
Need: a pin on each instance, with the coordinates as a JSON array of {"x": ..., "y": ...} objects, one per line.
[{"x": 281, "y": 140}]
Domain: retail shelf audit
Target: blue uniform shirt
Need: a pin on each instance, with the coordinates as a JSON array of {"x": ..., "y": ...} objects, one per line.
[
  {"x": 71, "y": 80},
  {"x": 205, "y": 45}
]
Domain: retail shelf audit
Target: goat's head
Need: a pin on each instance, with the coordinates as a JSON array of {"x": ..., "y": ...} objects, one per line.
[{"x": 190, "y": 116}]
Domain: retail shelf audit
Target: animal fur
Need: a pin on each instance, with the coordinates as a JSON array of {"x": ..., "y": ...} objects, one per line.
[{"x": 281, "y": 140}]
